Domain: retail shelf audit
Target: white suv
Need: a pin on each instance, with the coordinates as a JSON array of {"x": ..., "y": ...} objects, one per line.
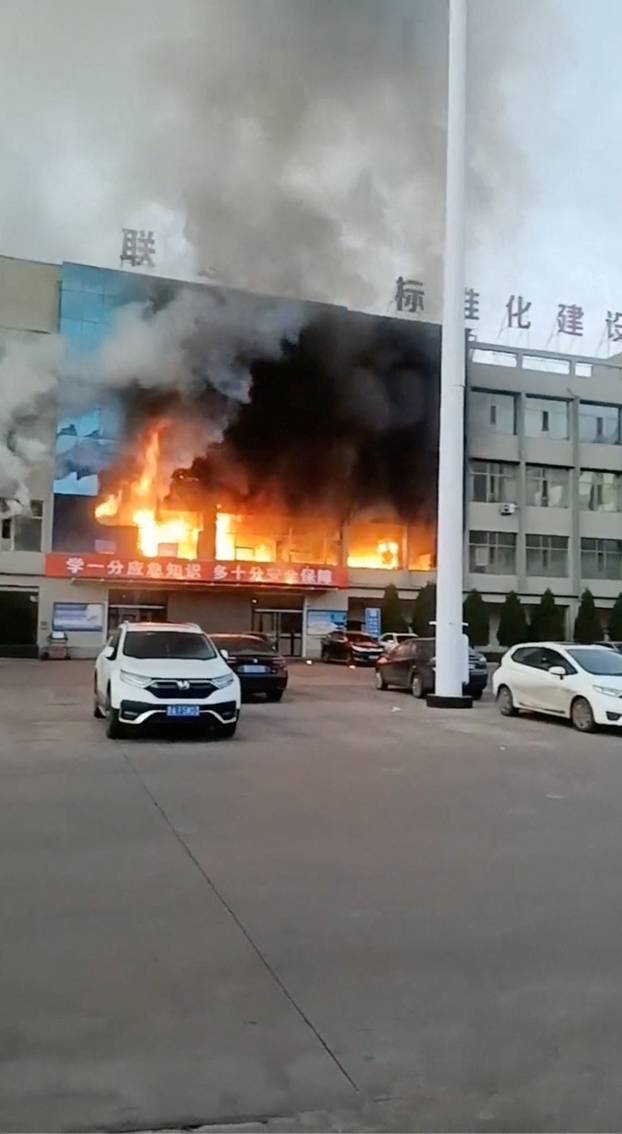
[
  {"x": 581, "y": 683},
  {"x": 164, "y": 671}
]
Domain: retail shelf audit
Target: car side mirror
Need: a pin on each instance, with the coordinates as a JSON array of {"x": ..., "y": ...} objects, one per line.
[
  {"x": 557, "y": 671},
  {"x": 224, "y": 654},
  {"x": 109, "y": 652}
]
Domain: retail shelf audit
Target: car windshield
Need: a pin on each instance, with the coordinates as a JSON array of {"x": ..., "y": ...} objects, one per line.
[
  {"x": 598, "y": 660},
  {"x": 167, "y": 644},
  {"x": 237, "y": 642}
]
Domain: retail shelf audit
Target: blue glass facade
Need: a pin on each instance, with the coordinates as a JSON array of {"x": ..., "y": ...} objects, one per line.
[{"x": 87, "y": 441}]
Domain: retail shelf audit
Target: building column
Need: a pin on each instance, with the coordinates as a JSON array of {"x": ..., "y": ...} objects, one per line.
[
  {"x": 574, "y": 551},
  {"x": 521, "y": 553}
]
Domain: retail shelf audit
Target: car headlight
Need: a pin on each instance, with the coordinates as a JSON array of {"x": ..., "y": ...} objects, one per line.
[
  {"x": 135, "y": 679},
  {"x": 607, "y": 691},
  {"x": 222, "y": 682}
]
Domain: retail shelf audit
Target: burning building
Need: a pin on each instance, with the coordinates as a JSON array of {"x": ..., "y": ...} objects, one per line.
[
  {"x": 239, "y": 461},
  {"x": 250, "y": 464}
]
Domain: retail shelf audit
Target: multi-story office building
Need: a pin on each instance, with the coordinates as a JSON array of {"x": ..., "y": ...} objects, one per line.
[
  {"x": 238, "y": 565},
  {"x": 544, "y": 476},
  {"x": 543, "y": 489}
]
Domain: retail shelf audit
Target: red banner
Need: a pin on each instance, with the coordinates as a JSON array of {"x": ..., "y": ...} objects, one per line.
[{"x": 91, "y": 565}]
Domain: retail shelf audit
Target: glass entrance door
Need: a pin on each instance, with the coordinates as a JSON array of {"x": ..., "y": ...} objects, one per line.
[{"x": 282, "y": 627}]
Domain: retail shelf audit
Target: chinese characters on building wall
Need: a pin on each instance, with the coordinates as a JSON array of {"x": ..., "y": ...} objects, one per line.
[
  {"x": 93, "y": 566},
  {"x": 409, "y": 297}
]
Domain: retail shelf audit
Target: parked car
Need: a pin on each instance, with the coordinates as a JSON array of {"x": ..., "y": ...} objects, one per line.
[
  {"x": 581, "y": 683},
  {"x": 258, "y": 665},
  {"x": 411, "y": 665},
  {"x": 352, "y": 647},
  {"x": 390, "y": 640},
  {"x": 164, "y": 672}
]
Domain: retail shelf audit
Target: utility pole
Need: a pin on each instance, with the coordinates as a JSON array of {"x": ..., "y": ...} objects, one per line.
[{"x": 450, "y": 645}]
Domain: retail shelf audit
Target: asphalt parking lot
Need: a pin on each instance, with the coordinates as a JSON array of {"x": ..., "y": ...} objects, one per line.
[{"x": 358, "y": 914}]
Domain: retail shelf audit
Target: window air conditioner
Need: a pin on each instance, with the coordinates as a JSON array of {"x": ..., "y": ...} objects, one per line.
[{"x": 507, "y": 509}]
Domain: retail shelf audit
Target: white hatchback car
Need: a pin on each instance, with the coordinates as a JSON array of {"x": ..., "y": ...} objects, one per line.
[
  {"x": 164, "y": 672},
  {"x": 581, "y": 683}
]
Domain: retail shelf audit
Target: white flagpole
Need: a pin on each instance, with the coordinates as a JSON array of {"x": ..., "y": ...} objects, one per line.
[{"x": 449, "y": 578}]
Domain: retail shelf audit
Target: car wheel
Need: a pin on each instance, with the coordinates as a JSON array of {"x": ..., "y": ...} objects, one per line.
[
  {"x": 416, "y": 685},
  {"x": 226, "y": 731},
  {"x": 114, "y": 728},
  {"x": 505, "y": 702},
  {"x": 97, "y": 712},
  {"x": 582, "y": 716},
  {"x": 324, "y": 656},
  {"x": 380, "y": 681},
  {"x": 476, "y": 695},
  {"x": 275, "y": 695}
]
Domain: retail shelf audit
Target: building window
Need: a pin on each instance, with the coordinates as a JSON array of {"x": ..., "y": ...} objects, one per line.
[
  {"x": 601, "y": 558},
  {"x": 492, "y": 553},
  {"x": 600, "y": 424},
  {"x": 547, "y": 487},
  {"x": 547, "y": 555},
  {"x": 492, "y": 413},
  {"x": 266, "y": 538},
  {"x": 23, "y": 532},
  {"x": 136, "y": 606},
  {"x": 493, "y": 482},
  {"x": 374, "y": 543},
  {"x": 600, "y": 491},
  {"x": 546, "y": 417}
]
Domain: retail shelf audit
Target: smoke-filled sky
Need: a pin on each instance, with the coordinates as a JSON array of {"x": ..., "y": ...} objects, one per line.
[{"x": 296, "y": 146}]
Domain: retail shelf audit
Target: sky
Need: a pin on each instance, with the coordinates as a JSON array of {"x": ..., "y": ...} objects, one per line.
[{"x": 297, "y": 148}]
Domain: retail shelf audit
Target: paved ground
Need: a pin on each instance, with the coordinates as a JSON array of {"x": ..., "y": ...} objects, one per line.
[{"x": 359, "y": 914}]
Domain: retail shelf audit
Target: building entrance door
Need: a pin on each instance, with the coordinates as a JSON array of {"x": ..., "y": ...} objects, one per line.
[
  {"x": 282, "y": 627},
  {"x": 18, "y": 623}
]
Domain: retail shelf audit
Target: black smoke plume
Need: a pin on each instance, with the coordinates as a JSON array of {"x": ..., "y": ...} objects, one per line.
[{"x": 343, "y": 420}]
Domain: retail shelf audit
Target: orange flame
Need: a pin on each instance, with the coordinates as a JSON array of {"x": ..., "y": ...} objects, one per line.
[
  {"x": 386, "y": 554},
  {"x": 108, "y": 507},
  {"x": 161, "y": 531},
  {"x": 227, "y": 546}
]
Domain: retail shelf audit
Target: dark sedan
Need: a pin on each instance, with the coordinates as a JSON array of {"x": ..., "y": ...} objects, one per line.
[
  {"x": 353, "y": 647},
  {"x": 259, "y": 667},
  {"x": 411, "y": 666}
]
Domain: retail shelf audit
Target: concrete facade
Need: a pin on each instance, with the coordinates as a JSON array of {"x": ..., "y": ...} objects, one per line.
[
  {"x": 29, "y": 305},
  {"x": 544, "y": 448},
  {"x": 543, "y": 488}
]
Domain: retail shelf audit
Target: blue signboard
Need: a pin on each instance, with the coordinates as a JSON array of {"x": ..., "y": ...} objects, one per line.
[
  {"x": 78, "y": 616},
  {"x": 321, "y": 622},
  {"x": 372, "y": 621}
]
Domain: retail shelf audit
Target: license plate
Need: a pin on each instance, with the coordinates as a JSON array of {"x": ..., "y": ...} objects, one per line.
[
  {"x": 183, "y": 710},
  {"x": 254, "y": 669}
]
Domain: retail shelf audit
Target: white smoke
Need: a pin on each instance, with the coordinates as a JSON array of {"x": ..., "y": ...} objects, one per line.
[
  {"x": 30, "y": 371},
  {"x": 200, "y": 339},
  {"x": 292, "y": 147}
]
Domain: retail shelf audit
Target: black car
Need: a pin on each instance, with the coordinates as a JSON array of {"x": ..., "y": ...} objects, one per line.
[
  {"x": 258, "y": 665},
  {"x": 411, "y": 666},
  {"x": 353, "y": 647}
]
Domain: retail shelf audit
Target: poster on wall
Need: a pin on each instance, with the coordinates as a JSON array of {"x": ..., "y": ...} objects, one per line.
[
  {"x": 321, "y": 622},
  {"x": 78, "y": 616},
  {"x": 373, "y": 616}
]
